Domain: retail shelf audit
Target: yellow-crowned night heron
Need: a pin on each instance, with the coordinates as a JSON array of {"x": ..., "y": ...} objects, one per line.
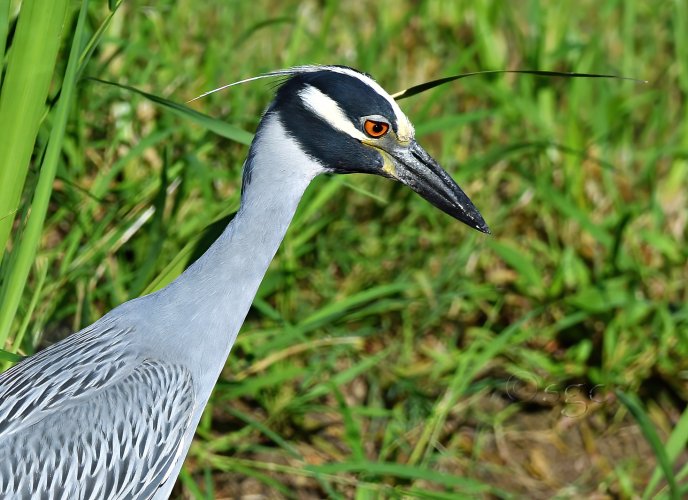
[{"x": 110, "y": 411}]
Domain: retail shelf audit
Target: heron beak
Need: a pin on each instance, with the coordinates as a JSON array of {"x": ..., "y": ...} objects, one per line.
[{"x": 413, "y": 166}]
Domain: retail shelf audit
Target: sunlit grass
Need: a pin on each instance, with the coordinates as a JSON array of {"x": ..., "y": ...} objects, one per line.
[{"x": 391, "y": 351}]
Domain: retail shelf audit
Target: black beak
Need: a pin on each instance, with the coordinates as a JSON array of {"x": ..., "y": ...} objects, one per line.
[{"x": 414, "y": 167}]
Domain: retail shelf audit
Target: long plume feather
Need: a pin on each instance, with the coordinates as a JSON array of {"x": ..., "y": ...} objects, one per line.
[{"x": 417, "y": 89}]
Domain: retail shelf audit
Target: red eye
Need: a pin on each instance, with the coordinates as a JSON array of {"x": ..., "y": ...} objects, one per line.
[{"x": 375, "y": 129}]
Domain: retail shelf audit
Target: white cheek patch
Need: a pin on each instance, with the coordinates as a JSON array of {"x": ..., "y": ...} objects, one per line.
[{"x": 327, "y": 108}]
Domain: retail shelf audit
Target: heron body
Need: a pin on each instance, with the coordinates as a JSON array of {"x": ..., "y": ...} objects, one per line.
[{"x": 110, "y": 411}]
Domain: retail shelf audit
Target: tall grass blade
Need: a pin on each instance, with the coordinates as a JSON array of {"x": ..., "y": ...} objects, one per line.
[
  {"x": 4, "y": 29},
  {"x": 22, "y": 99},
  {"x": 12, "y": 288},
  {"x": 97, "y": 37},
  {"x": 41, "y": 272}
]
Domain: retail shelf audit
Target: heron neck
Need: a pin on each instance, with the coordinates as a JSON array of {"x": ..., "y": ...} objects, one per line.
[{"x": 212, "y": 297}]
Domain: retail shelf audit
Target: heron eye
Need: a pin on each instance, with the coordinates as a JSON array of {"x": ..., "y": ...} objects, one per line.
[{"x": 375, "y": 129}]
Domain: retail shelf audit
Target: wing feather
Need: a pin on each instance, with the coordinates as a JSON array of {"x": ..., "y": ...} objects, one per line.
[
  {"x": 91, "y": 419},
  {"x": 75, "y": 368}
]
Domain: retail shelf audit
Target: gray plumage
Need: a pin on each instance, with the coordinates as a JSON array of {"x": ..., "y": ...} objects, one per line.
[
  {"x": 91, "y": 416},
  {"x": 110, "y": 411}
]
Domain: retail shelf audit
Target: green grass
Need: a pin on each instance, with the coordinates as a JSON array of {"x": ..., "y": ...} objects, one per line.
[{"x": 391, "y": 351}]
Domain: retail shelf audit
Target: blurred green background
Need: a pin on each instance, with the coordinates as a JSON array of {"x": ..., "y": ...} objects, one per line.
[{"x": 391, "y": 351}]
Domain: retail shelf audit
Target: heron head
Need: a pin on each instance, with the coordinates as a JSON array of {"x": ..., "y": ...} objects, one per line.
[{"x": 348, "y": 123}]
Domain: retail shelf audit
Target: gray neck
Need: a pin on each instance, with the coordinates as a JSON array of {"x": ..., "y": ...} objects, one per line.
[{"x": 208, "y": 303}]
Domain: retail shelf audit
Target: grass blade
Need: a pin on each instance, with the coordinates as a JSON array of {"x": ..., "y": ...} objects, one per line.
[
  {"x": 401, "y": 471},
  {"x": 4, "y": 28},
  {"x": 219, "y": 127},
  {"x": 634, "y": 406},
  {"x": 336, "y": 309},
  {"x": 12, "y": 288},
  {"x": 10, "y": 356},
  {"x": 22, "y": 100},
  {"x": 674, "y": 446}
]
